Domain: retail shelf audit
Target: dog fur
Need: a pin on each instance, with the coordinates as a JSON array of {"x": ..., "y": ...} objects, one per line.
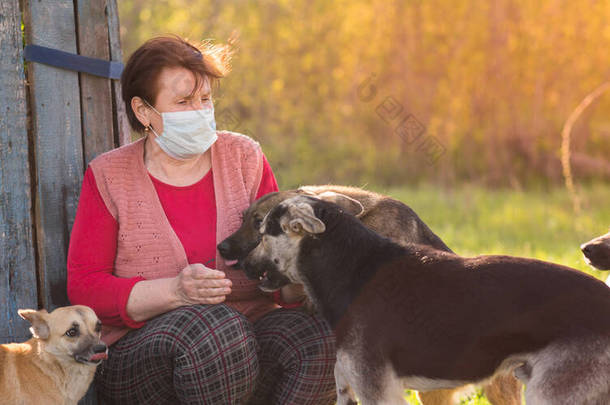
[
  {"x": 56, "y": 366},
  {"x": 388, "y": 217},
  {"x": 597, "y": 253},
  {"x": 409, "y": 317}
]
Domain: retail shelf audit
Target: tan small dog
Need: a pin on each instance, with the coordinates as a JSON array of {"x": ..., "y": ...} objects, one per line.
[{"x": 56, "y": 366}]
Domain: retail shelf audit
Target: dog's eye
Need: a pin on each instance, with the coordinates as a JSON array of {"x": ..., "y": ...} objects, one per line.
[
  {"x": 257, "y": 222},
  {"x": 72, "y": 332},
  {"x": 98, "y": 327}
]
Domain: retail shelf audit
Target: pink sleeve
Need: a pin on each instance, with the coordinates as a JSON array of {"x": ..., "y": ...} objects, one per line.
[
  {"x": 268, "y": 183},
  {"x": 91, "y": 256}
]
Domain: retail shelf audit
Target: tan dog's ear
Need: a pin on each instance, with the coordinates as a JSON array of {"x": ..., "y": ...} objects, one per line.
[
  {"x": 306, "y": 190},
  {"x": 40, "y": 328},
  {"x": 346, "y": 203},
  {"x": 302, "y": 218}
]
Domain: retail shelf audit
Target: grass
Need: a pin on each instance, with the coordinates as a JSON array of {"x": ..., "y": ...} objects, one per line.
[
  {"x": 475, "y": 399},
  {"x": 537, "y": 223}
]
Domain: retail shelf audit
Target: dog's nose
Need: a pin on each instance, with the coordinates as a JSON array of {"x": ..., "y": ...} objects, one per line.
[
  {"x": 224, "y": 247},
  {"x": 100, "y": 348},
  {"x": 586, "y": 248}
]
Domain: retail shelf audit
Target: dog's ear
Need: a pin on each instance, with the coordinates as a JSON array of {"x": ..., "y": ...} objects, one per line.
[
  {"x": 38, "y": 319},
  {"x": 302, "y": 218},
  {"x": 306, "y": 190},
  {"x": 346, "y": 203}
]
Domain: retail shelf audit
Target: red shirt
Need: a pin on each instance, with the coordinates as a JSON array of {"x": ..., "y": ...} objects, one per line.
[{"x": 191, "y": 211}]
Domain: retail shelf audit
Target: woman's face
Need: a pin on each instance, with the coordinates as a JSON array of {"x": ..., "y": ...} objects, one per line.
[{"x": 176, "y": 94}]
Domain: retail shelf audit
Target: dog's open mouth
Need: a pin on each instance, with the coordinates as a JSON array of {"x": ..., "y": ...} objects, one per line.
[
  {"x": 266, "y": 283},
  {"x": 272, "y": 280},
  {"x": 266, "y": 273},
  {"x": 231, "y": 263},
  {"x": 98, "y": 357},
  {"x": 95, "y": 359}
]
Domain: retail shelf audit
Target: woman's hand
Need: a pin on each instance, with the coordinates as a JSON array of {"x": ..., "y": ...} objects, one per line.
[{"x": 197, "y": 284}]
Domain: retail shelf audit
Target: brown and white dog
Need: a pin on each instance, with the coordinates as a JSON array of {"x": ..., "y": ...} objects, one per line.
[
  {"x": 597, "y": 253},
  {"x": 386, "y": 216},
  {"x": 419, "y": 318},
  {"x": 56, "y": 366}
]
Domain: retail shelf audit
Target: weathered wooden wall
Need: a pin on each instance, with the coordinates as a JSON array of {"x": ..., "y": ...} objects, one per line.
[
  {"x": 17, "y": 262},
  {"x": 122, "y": 131},
  {"x": 93, "y": 41},
  {"x": 49, "y": 131},
  {"x": 56, "y": 136}
]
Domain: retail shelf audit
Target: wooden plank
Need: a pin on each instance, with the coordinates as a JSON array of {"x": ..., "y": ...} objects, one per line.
[
  {"x": 122, "y": 129},
  {"x": 95, "y": 92},
  {"x": 56, "y": 137},
  {"x": 17, "y": 262}
]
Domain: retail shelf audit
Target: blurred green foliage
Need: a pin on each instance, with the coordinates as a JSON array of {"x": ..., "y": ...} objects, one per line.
[
  {"x": 475, "y": 398},
  {"x": 491, "y": 82}
]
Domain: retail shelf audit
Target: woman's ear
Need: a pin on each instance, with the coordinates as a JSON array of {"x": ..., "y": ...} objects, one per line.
[{"x": 141, "y": 111}]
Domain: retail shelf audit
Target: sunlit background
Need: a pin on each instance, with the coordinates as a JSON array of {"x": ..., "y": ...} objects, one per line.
[
  {"x": 455, "y": 107},
  {"x": 491, "y": 82}
]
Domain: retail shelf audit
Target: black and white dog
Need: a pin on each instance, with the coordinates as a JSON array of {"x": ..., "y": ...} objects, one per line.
[
  {"x": 411, "y": 317},
  {"x": 597, "y": 253}
]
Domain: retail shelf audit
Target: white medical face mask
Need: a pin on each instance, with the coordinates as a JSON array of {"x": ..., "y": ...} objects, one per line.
[{"x": 186, "y": 134}]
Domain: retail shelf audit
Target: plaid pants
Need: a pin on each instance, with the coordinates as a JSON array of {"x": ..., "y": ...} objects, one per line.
[
  {"x": 296, "y": 359},
  {"x": 211, "y": 354}
]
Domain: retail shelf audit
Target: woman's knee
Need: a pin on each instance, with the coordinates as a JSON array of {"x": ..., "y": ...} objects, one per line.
[
  {"x": 207, "y": 329},
  {"x": 296, "y": 348},
  {"x": 221, "y": 348},
  {"x": 318, "y": 341},
  {"x": 215, "y": 329},
  {"x": 309, "y": 337},
  {"x": 206, "y": 351}
]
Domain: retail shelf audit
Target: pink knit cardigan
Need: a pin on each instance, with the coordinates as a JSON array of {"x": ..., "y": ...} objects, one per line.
[{"x": 148, "y": 247}]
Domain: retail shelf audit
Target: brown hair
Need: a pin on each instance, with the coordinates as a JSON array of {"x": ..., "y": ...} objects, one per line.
[{"x": 139, "y": 78}]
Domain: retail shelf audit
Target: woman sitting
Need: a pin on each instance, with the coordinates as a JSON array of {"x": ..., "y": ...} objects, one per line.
[{"x": 182, "y": 326}]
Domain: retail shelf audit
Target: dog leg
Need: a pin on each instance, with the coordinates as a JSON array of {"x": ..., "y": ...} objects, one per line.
[
  {"x": 387, "y": 397},
  {"x": 503, "y": 390},
  {"x": 573, "y": 372},
  {"x": 345, "y": 394},
  {"x": 393, "y": 394},
  {"x": 383, "y": 388}
]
